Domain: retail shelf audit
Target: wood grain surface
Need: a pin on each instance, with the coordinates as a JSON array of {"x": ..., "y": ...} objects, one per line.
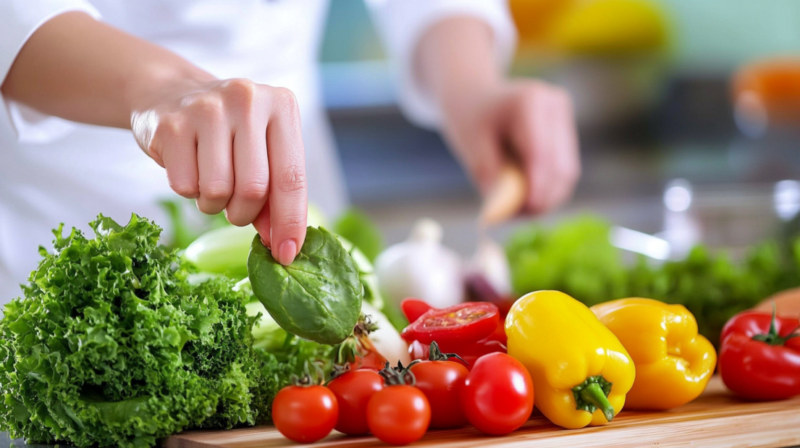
[{"x": 716, "y": 419}]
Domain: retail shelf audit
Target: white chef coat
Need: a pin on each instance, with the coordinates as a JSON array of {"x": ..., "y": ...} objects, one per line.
[{"x": 53, "y": 170}]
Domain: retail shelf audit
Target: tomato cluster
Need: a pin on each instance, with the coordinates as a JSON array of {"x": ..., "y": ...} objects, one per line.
[{"x": 437, "y": 390}]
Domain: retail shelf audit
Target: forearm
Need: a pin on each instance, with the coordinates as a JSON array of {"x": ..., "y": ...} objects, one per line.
[
  {"x": 83, "y": 70},
  {"x": 455, "y": 61}
]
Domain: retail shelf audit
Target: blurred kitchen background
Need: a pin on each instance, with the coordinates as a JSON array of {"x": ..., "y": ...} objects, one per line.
[{"x": 684, "y": 131}]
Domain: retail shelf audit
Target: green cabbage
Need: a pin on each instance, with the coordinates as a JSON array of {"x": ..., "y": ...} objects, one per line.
[{"x": 116, "y": 344}]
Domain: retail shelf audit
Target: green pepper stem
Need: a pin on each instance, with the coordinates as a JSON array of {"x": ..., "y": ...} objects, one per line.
[{"x": 593, "y": 393}]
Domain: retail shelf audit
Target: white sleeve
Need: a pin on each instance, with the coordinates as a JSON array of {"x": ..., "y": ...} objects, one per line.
[
  {"x": 19, "y": 19},
  {"x": 403, "y": 22}
]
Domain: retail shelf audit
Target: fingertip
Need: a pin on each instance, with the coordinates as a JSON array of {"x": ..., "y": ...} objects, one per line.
[{"x": 287, "y": 251}]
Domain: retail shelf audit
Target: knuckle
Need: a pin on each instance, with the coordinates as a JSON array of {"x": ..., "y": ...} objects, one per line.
[
  {"x": 208, "y": 106},
  {"x": 292, "y": 180},
  {"x": 252, "y": 191},
  {"x": 240, "y": 91},
  {"x": 170, "y": 126},
  {"x": 285, "y": 98},
  {"x": 292, "y": 222},
  {"x": 216, "y": 190}
]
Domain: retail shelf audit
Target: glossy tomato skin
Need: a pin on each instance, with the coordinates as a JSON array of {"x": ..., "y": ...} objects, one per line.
[
  {"x": 399, "y": 415},
  {"x": 462, "y": 323},
  {"x": 469, "y": 352},
  {"x": 353, "y": 390},
  {"x": 305, "y": 414},
  {"x": 754, "y": 369},
  {"x": 497, "y": 395},
  {"x": 413, "y": 308},
  {"x": 441, "y": 382}
]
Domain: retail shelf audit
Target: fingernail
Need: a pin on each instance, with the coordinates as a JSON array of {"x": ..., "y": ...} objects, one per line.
[{"x": 287, "y": 252}]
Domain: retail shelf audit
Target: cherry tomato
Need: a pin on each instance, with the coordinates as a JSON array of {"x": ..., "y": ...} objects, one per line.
[
  {"x": 463, "y": 323},
  {"x": 353, "y": 391},
  {"x": 413, "y": 308},
  {"x": 399, "y": 414},
  {"x": 497, "y": 395},
  {"x": 469, "y": 352},
  {"x": 441, "y": 382},
  {"x": 305, "y": 414}
]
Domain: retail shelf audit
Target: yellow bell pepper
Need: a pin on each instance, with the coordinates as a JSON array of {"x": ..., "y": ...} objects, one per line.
[
  {"x": 580, "y": 370},
  {"x": 673, "y": 363}
]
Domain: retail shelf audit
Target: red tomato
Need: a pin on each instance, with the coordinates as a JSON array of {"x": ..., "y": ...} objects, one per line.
[
  {"x": 413, "y": 308},
  {"x": 305, "y": 414},
  {"x": 468, "y": 352},
  {"x": 463, "y": 323},
  {"x": 760, "y": 358},
  {"x": 441, "y": 383},
  {"x": 353, "y": 391},
  {"x": 398, "y": 414},
  {"x": 497, "y": 395}
]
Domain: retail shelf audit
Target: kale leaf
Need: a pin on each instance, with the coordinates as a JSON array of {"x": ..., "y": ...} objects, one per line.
[{"x": 113, "y": 344}]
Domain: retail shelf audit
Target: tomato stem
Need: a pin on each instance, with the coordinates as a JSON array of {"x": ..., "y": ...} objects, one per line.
[
  {"x": 435, "y": 354},
  {"x": 773, "y": 338},
  {"x": 398, "y": 376}
]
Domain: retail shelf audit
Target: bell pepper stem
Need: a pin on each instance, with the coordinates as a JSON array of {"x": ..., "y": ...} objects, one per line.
[{"x": 593, "y": 393}]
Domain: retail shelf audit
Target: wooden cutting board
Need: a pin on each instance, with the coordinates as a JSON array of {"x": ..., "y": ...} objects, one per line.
[{"x": 716, "y": 419}]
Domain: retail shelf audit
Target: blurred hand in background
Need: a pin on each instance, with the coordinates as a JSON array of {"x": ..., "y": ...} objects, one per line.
[{"x": 490, "y": 121}]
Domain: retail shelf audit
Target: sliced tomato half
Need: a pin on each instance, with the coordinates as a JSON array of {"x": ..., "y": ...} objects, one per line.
[
  {"x": 414, "y": 308},
  {"x": 462, "y": 324}
]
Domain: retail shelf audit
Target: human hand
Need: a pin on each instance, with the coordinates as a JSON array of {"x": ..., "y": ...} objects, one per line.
[
  {"x": 525, "y": 122},
  {"x": 236, "y": 146}
]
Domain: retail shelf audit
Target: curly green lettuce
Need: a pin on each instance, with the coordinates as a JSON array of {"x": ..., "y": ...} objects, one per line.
[{"x": 114, "y": 344}]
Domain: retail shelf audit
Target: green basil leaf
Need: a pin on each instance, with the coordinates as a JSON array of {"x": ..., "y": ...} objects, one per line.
[{"x": 317, "y": 297}]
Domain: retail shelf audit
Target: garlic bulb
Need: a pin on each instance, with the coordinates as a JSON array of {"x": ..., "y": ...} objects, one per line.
[
  {"x": 421, "y": 267},
  {"x": 490, "y": 262}
]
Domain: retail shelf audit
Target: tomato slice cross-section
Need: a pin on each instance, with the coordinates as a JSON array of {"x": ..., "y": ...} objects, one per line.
[{"x": 463, "y": 323}]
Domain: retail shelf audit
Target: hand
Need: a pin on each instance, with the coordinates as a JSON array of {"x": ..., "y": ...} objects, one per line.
[
  {"x": 526, "y": 122},
  {"x": 236, "y": 146}
]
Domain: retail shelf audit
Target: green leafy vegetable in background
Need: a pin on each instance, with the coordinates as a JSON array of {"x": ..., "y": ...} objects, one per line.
[
  {"x": 317, "y": 297},
  {"x": 577, "y": 258},
  {"x": 366, "y": 273},
  {"x": 187, "y": 223},
  {"x": 357, "y": 228},
  {"x": 222, "y": 251},
  {"x": 112, "y": 344}
]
